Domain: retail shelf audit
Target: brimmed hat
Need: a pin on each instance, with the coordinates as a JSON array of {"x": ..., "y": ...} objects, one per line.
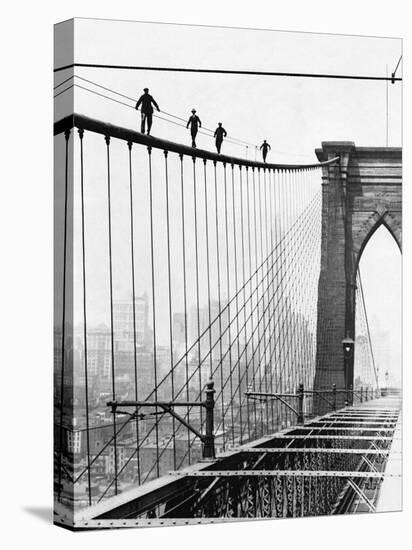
[{"x": 193, "y": 110}]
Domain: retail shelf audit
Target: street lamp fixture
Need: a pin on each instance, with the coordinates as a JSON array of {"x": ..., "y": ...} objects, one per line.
[{"x": 348, "y": 346}]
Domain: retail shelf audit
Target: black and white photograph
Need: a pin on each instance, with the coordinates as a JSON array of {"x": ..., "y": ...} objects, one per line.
[
  {"x": 205, "y": 307},
  {"x": 227, "y": 274}
]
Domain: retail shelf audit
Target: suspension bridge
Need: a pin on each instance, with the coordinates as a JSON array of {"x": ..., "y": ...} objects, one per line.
[{"x": 213, "y": 358}]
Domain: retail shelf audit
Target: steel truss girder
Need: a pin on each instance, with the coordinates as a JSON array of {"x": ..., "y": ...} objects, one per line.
[
  {"x": 369, "y": 464},
  {"x": 362, "y": 495}
]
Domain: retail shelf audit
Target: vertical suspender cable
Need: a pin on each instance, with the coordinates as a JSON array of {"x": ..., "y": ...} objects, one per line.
[
  {"x": 259, "y": 369},
  {"x": 236, "y": 302},
  {"x": 286, "y": 320},
  {"x": 362, "y": 295},
  {"x": 288, "y": 271},
  {"x": 86, "y": 377},
  {"x": 184, "y": 288},
  {"x": 269, "y": 290},
  {"x": 219, "y": 298},
  {"x": 242, "y": 229},
  {"x": 387, "y": 107},
  {"x": 272, "y": 290},
  {"x": 197, "y": 288},
  {"x": 109, "y": 207},
  {"x": 277, "y": 370},
  {"x": 264, "y": 374},
  {"x": 152, "y": 261},
  {"x": 136, "y": 392},
  {"x": 228, "y": 306},
  {"x": 169, "y": 286},
  {"x": 251, "y": 295},
  {"x": 208, "y": 272},
  {"x": 295, "y": 268},
  {"x": 66, "y": 186}
]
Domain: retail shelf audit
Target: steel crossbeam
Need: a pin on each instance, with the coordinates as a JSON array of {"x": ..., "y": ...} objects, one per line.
[
  {"x": 318, "y": 450},
  {"x": 283, "y": 473},
  {"x": 358, "y": 418},
  {"x": 361, "y": 415},
  {"x": 143, "y": 522},
  {"x": 319, "y": 436},
  {"x": 351, "y": 422},
  {"x": 371, "y": 413},
  {"x": 345, "y": 429}
]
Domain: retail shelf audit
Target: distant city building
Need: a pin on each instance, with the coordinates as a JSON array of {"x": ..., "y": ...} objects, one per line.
[
  {"x": 99, "y": 352},
  {"x": 110, "y": 463},
  {"x": 179, "y": 328},
  {"x": 124, "y": 319},
  {"x": 74, "y": 441}
]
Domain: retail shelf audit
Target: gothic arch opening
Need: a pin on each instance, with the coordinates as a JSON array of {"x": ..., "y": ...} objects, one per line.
[
  {"x": 371, "y": 225},
  {"x": 380, "y": 268}
]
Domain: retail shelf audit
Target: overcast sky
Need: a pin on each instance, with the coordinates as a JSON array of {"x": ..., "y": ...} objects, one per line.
[{"x": 294, "y": 114}]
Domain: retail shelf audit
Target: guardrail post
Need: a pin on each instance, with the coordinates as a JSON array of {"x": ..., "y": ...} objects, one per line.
[
  {"x": 301, "y": 394},
  {"x": 209, "y": 437},
  {"x": 348, "y": 396},
  {"x": 361, "y": 394},
  {"x": 334, "y": 396}
]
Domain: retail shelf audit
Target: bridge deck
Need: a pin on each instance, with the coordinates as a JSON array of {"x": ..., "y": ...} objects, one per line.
[
  {"x": 390, "y": 497},
  {"x": 343, "y": 462}
]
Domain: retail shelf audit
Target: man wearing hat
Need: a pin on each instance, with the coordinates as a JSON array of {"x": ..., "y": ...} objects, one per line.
[
  {"x": 220, "y": 133},
  {"x": 146, "y": 101},
  {"x": 265, "y": 147},
  {"x": 195, "y": 124}
]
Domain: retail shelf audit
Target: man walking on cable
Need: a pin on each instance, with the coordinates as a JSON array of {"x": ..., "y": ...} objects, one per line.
[
  {"x": 220, "y": 133},
  {"x": 194, "y": 123},
  {"x": 265, "y": 147},
  {"x": 146, "y": 101}
]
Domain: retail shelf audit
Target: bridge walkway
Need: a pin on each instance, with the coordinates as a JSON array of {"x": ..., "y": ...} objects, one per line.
[{"x": 346, "y": 461}]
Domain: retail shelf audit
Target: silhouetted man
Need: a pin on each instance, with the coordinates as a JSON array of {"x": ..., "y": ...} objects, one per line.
[
  {"x": 220, "y": 133},
  {"x": 146, "y": 101},
  {"x": 195, "y": 124},
  {"x": 265, "y": 147}
]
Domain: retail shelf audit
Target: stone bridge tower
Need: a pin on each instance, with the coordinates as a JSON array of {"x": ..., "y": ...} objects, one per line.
[{"x": 359, "y": 193}]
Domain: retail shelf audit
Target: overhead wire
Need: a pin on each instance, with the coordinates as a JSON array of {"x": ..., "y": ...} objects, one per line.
[
  {"x": 220, "y": 71},
  {"x": 204, "y": 129}
]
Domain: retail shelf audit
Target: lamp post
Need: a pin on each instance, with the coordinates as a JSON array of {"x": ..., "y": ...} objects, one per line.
[
  {"x": 386, "y": 382},
  {"x": 348, "y": 349}
]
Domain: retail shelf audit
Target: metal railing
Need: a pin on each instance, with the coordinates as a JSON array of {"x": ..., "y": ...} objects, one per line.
[{"x": 301, "y": 412}]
